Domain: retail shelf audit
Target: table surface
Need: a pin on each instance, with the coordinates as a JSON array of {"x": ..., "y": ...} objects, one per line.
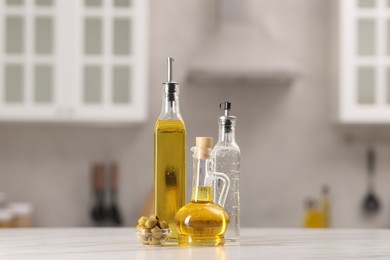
[{"x": 121, "y": 243}]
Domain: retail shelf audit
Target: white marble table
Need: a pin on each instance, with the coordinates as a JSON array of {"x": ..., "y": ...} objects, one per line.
[{"x": 121, "y": 243}]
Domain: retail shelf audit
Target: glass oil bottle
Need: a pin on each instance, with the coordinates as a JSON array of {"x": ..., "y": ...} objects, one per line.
[
  {"x": 169, "y": 155},
  {"x": 202, "y": 222},
  {"x": 226, "y": 154},
  {"x": 326, "y": 205},
  {"x": 314, "y": 217}
]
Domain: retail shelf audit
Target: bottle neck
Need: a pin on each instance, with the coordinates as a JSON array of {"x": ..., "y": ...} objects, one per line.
[
  {"x": 170, "y": 109},
  {"x": 202, "y": 182},
  {"x": 226, "y": 134}
]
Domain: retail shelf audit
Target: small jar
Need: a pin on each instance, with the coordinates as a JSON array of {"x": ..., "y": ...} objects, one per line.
[
  {"x": 6, "y": 217},
  {"x": 22, "y": 213}
]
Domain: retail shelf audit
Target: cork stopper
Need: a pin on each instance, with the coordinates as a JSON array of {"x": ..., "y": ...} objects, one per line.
[
  {"x": 204, "y": 142},
  {"x": 203, "y": 147}
]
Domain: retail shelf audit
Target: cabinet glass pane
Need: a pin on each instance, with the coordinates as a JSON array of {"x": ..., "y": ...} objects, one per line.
[
  {"x": 93, "y": 3},
  {"x": 93, "y": 36},
  {"x": 44, "y": 2},
  {"x": 366, "y": 37},
  {"x": 92, "y": 84},
  {"x": 122, "y": 3},
  {"x": 121, "y": 85},
  {"x": 14, "y": 34},
  {"x": 43, "y": 84},
  {"x": 366, "y": 3},
  {"x": 14, "y": 81},
  {"x": 388, "y": 36},
  {"x": 366, "y": 85},
  {"x": 121, "y": 39},
  {"x": 388, "y": 85},
  {"x": 43, "y": 35},
  {"x": 15, "y": 2}
]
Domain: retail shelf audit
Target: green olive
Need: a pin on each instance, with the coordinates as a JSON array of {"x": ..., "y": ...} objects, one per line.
[
  {"x": 156, "y": 232},
  {"x": 142, "y": 220},
  {"x": 164, "y": 224},
  {"x": 151, "y": 223},
  {"x": 154, "y": 216},
  {"x": 154, "y": 241},
  {"x": 140, "y": 227},
  {"x": 144, "y": 239}
]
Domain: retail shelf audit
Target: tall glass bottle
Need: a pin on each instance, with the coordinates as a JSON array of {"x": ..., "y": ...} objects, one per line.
[
  {"x": 326, "y": 206},
  {"x": 202, "y": 222},
  {"x": 226, "y": 155},
  {"x": 169, "y": 155}
]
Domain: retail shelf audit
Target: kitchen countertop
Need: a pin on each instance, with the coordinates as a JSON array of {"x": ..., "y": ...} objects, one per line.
[{"x": 121, "y": 243}]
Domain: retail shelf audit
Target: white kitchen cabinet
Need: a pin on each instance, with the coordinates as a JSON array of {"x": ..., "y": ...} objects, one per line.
[
  {"x": 363, "y": 61},
  {"x": 73, "y": 60}
]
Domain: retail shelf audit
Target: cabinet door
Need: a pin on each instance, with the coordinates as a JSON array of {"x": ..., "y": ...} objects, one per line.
[
  {"x": 111, "y": 58},
  {"x": 29, "y": 75},
  {"x": 73, "y": 61},
  {"x": 364, "y": 61}
]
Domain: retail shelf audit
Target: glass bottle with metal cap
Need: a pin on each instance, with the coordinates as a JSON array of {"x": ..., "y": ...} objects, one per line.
[
  {"x": 226, "y": 154},
  {"x": 169, "y": 155}
]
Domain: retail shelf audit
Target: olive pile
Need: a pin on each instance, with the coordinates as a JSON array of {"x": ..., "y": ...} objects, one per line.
[{"x": 152, "y": 230}]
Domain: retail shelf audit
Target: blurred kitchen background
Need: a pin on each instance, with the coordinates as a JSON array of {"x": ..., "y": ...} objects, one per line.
[{"x": 80, "y": 84}]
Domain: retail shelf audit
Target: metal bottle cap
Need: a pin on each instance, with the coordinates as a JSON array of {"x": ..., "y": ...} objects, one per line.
[
  {"x": 227, "y": 121},
  {"x": 170, "y": 87}
]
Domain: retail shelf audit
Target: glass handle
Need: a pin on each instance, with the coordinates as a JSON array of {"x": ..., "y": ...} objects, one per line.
[{"x": 225, "y": 187}]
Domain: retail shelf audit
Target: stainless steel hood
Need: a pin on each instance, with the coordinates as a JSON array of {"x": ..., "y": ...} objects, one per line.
[{"x": 241, "y": 52}]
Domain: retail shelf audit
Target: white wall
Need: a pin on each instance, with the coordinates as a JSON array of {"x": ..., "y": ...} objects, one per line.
[{"x": 289, "y": 144}]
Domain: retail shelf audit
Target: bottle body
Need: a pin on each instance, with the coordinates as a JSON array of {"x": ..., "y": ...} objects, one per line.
[
  {"x": 226, "y": 155},
  {"x": 314, "y": 217},
  {"x": 326, "y": 212},
  {"x": 169, "y": 179},
  {"x": 326, "y": 206},
  {"x": 227, "y": 160},
  {"x": 202, "y": 222}
]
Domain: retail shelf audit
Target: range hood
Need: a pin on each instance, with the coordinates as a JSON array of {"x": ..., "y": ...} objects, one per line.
[{"x": 241, "y": 53}]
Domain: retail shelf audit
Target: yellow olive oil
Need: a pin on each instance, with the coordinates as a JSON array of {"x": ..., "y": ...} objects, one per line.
[
  {"x": 169, "y": 170},
  {"x": 201, "y": 222}
]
